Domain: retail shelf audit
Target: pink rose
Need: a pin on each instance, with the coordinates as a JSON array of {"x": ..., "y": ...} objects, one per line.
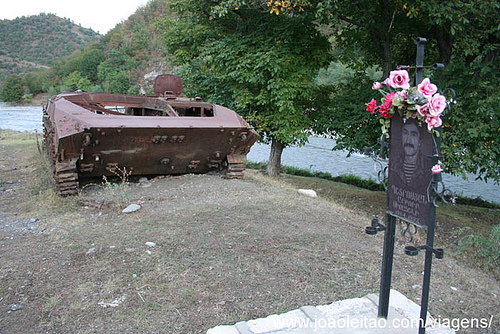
[
  {"x": 433, "y": 122},
  {"x": 436, "y": 169},
  {"x": 427, "y": 88},
  {"x": 376, "y": 85},
  {"x": 402, "y": 94},
  {"x": 387, "y": 82},
  {"x": 437, "y": 103},
  {"x": 399, "y": 79},
  {"x": 371, "y": 106},
  {"x": 424, "y": 110}
]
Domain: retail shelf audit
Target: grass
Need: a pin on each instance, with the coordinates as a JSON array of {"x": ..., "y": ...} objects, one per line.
[
  {"x": 485, "y": 249},
  {"x": 370, "y": 184},
  {"x": 470, "y": 226},
  {"x": 357, "y": 181},
  {"x": 9, "y": 137},
  {"x": 226, "y": 251}
]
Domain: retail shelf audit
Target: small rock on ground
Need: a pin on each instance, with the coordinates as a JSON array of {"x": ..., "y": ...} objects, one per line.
[
  {"x": 308, "y": 192},
  {"x": 14, "y": 307},
  {"x": 131, "y": 208}
]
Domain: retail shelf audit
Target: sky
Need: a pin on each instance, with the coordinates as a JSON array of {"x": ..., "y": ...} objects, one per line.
[{"x": 100, "y": 15}]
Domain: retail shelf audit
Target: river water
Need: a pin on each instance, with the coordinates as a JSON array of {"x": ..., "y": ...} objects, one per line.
[{"x": 316, "y": 155}]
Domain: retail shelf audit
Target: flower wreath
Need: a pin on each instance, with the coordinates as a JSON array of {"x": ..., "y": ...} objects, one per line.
[{"x": 422, "y": 102}]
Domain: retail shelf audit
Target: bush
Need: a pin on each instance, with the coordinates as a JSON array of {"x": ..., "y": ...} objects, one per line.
[
  {"x": 351, "y": 179},
  {"x": 12, "y": 88},
  {"x": 27, "y": 98},
  {"x": 486, "y": 249},
  {"x": 96, "y": 89}
]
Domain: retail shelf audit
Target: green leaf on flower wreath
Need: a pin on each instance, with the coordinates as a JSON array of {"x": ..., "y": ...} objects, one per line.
[
  {"x": 397, "y": 101},
  {"x": 386, "y": 125},
  {"x": 413, "y": 96}
]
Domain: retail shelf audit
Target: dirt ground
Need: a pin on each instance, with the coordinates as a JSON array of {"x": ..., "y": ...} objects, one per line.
[{"x": 224, "y": 251}]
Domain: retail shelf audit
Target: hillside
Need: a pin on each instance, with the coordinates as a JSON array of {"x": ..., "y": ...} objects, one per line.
[
  {"x": 138, "y": 37},
  {"x": 59, "y": 56},
  {"x": 33, "y": 42}
]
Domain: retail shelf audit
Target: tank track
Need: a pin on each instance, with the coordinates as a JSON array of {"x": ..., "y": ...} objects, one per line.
[
  {"x": 235, "y": 167},
  {"x": 66, "y": 177},
  {"x": 65, "y": 173}
]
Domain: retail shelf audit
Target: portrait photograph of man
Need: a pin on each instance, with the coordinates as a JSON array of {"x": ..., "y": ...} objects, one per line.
[{"x": 409, "y": 170}]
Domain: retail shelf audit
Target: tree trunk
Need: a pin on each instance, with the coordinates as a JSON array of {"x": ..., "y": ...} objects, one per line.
[
  {"x": 383, "y": 44},
  {"x": 274, "y": 165},
  {"x": 445, "y": 44},
  {"x": 385, "y": 50}
]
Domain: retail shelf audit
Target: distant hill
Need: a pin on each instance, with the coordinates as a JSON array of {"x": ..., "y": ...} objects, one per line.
[
  {"x": 125, "y": 60},
  {"x": 33, "y": 42},
  {"x": 139, "y": 38}
]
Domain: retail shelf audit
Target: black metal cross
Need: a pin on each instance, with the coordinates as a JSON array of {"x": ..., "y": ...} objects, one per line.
[{"x": 389, "y": 229}]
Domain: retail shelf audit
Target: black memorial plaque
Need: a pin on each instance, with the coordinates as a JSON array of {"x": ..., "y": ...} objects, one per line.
[{"x": 410, "y": 171}]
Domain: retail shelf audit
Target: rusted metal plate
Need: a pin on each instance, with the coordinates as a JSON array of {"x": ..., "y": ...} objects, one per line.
[{"x": 168, "y": 84}]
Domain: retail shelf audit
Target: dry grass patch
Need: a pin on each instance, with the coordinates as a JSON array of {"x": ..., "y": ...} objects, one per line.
[{"x": 225, "y": 251}]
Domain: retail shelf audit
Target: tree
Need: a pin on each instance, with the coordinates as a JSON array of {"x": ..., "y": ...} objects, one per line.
[
  {"x": 464, "y": 35},
  {"x": 34, "y": 83},
  {"x": 90, "y": 62},
  {"x": 472, "y": 130},
  {"x": 12, "y": 88},
  {"x": 75, "y": 81},
  {"x": 260, "y": 64},
  {"x": 114, "y": 72}
]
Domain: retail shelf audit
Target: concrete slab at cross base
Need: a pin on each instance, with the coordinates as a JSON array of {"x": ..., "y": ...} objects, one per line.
[{"x": 350, "y": 316}]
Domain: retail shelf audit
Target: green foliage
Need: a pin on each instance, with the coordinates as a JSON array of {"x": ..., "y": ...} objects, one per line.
[
  {"x": 39, "y": 40},
  {"x": 484, "y": 248},
  {"x": 477, "y": 201},
  {"x": 89, "y": 63},
  {"x": 69, "y": 49},
  {"x": 261, "y": 65},
  {"x": 465, "y": 35},
  {"x": 347, "y": 117},
  {"x": 96, "y": 89},
  {"x": 67, "y": 65},
  {"x": 12, "y": 89},
  {"x": 34, "y": 83},
  {"x": 114, "y": 72},
  {"x": 75, "y": 81},
  {"x": 471, "y": 132}
]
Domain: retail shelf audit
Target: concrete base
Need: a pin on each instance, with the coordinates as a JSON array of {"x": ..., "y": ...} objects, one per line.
[{"x": 350, "y": 316}]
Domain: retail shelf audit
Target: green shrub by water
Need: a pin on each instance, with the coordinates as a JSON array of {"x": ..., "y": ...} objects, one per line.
[
  {"x": 354, "y": 180},
  {"x": 357, "y": 181}
]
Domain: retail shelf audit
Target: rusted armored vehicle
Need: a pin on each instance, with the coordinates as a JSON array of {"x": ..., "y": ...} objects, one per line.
[{"x": 89, "y": 135}]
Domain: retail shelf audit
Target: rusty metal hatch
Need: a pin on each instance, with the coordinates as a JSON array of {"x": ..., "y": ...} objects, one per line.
[{"x": 168, "y": 84}]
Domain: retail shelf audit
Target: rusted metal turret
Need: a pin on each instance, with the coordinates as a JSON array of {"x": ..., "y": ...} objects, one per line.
[{"x": 91, "y": 134}]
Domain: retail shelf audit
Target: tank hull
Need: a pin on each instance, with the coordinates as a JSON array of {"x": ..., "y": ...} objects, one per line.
[{"x": 90, "y": 135}]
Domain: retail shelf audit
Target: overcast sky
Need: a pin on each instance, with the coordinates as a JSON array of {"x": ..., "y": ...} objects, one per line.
[{"x": 100, "y": 15}]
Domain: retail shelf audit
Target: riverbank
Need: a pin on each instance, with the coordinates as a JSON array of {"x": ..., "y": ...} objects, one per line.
[
  {"x": 204, "y": 251},
  {"x": 39, "y": 99},
  {"x": 315, "y": 156},
  {"x": 35, "y": 101}
]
